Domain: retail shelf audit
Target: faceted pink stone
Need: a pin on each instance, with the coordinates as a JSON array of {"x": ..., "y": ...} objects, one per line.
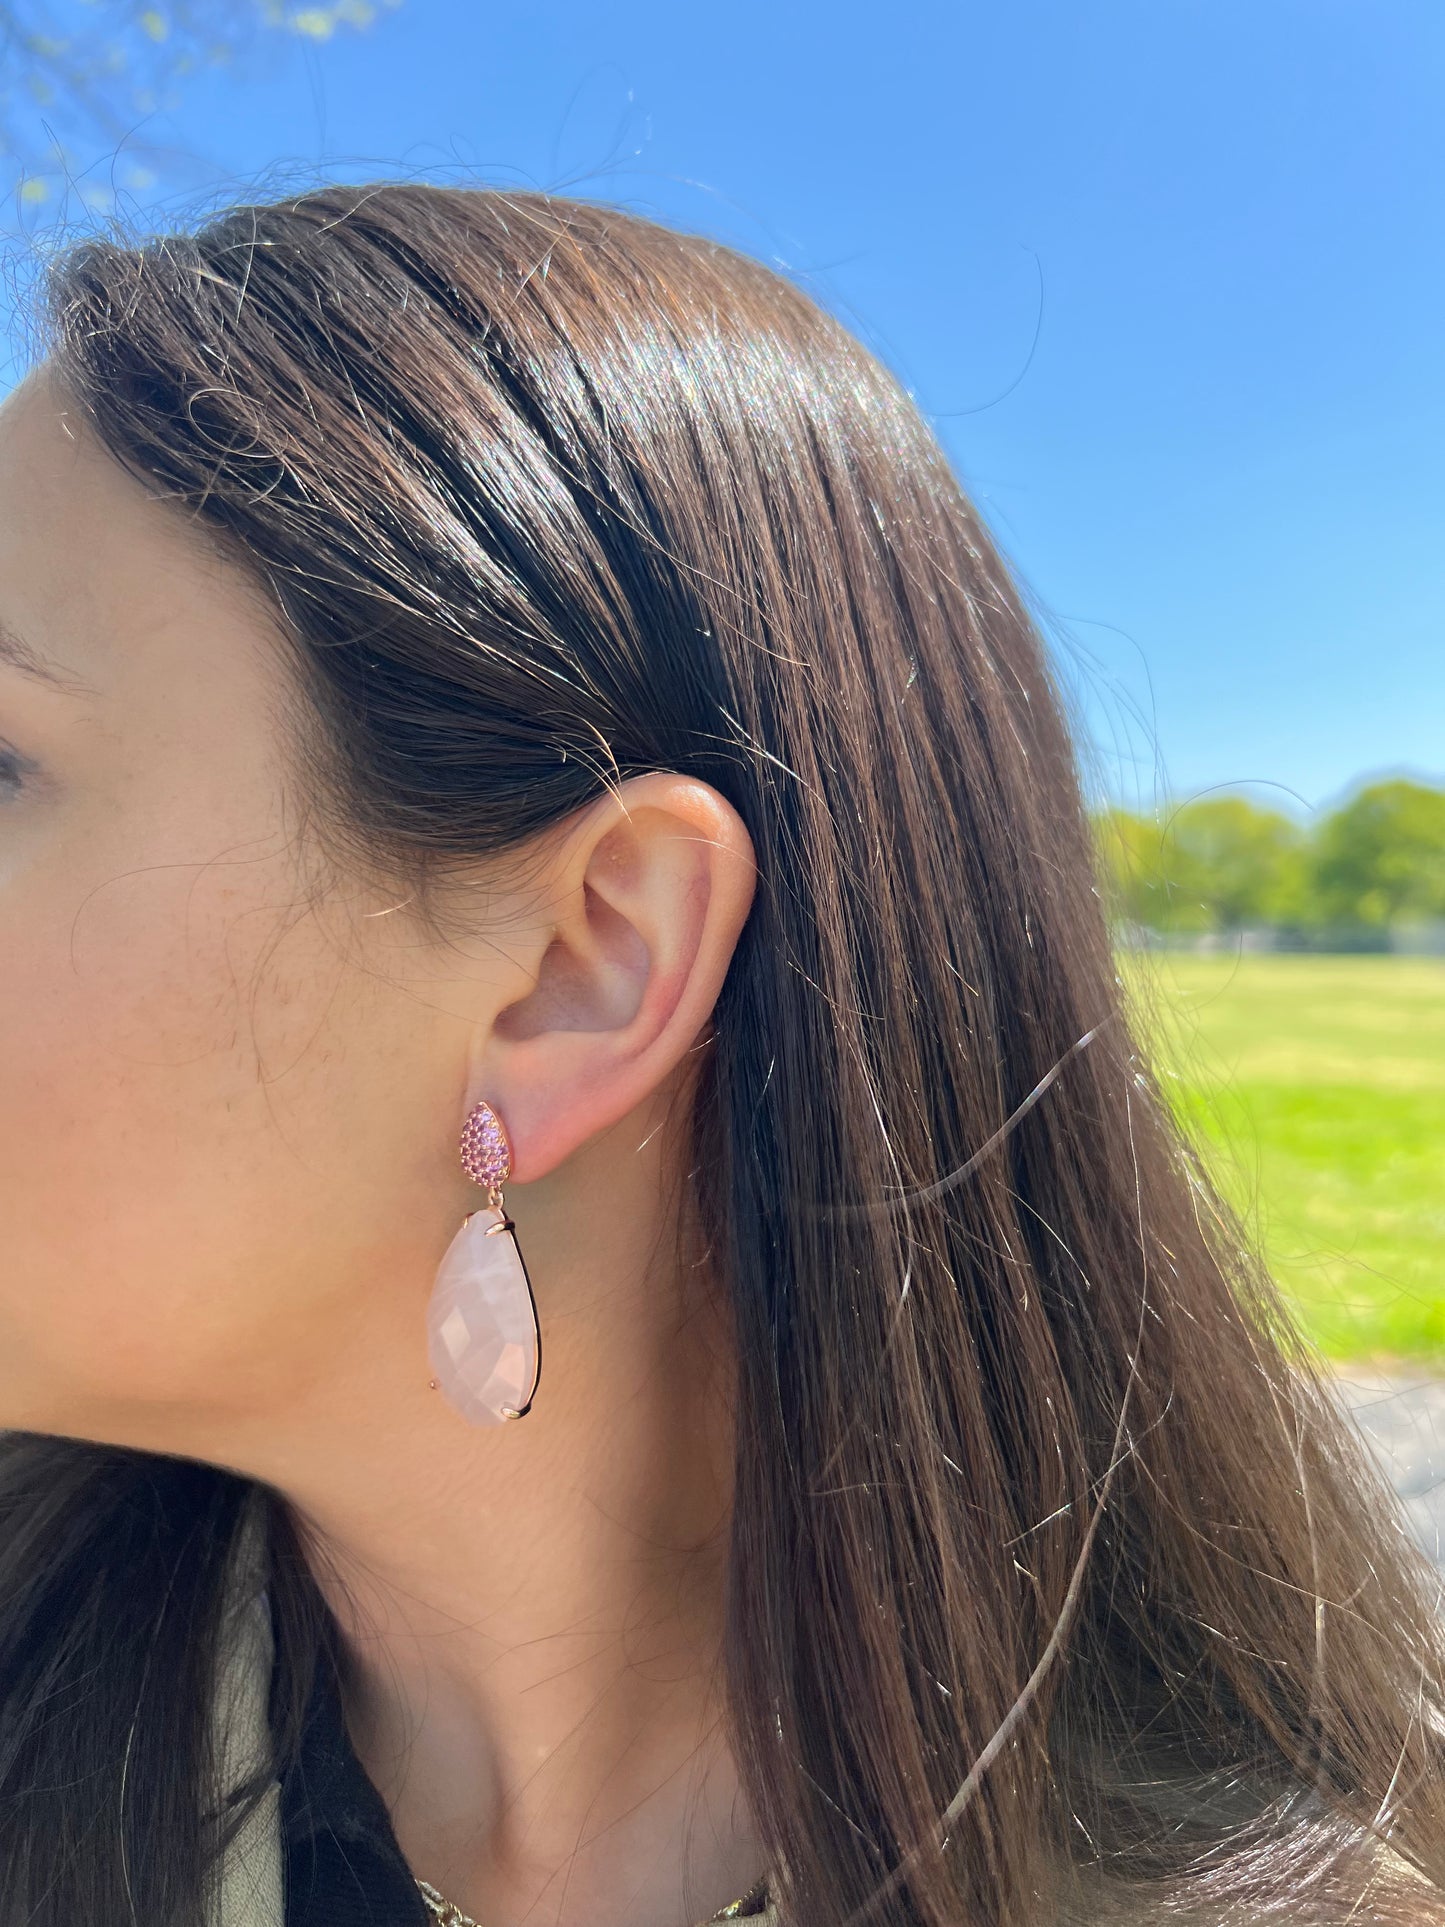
[{"x": 481, "y": 1325}]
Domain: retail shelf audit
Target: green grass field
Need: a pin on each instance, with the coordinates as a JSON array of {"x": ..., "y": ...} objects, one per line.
[{"x": 1319, "y": 1083}]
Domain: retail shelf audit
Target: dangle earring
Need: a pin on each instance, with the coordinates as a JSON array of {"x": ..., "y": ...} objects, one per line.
[{"x": 483, "y": 1339}]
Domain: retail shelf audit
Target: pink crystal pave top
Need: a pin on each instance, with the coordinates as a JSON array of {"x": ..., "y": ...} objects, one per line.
[
  {"x": 484, "y": 1342},
  {"x": 486, "y": 1154}
]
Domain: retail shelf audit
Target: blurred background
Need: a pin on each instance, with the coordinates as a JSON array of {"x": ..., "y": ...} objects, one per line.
[{"x": 1169, "y": 281}]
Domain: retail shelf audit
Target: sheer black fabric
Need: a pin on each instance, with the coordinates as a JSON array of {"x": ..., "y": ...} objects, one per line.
[{"x": 342, "y": 1862}]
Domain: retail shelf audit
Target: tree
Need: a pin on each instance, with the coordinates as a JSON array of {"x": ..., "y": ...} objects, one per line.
[
  {"x": 1245, "y": 863},
  {"x": 1219, "y": 863},
  {"x": 1381, "y": 857},
  {"x": 1134, "y": 865},
  {"x": 80, "y": 74}
]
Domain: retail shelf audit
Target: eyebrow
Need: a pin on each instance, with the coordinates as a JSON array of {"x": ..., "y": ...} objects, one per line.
[{"x": 16, "y": 653}]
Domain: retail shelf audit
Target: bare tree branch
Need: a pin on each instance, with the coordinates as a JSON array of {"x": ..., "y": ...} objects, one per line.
[{"x": 78, "y": 75}]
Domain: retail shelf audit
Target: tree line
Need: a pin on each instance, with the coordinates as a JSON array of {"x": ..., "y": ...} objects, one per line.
[{"x": 1223, "y": 864}]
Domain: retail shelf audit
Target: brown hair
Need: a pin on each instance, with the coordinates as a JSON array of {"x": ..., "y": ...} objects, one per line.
[{"x": 1058, "y": 1587}]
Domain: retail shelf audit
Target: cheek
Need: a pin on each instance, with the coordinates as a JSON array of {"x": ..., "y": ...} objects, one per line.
[{"x": 182, "y": 1202}]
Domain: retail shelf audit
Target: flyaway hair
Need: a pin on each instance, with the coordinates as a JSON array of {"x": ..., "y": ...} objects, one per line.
[{"x": 1059, "y": 1588}]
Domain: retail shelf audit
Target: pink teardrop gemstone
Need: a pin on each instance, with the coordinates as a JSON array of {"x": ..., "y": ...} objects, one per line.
[{"x": 481, "y": 1325}]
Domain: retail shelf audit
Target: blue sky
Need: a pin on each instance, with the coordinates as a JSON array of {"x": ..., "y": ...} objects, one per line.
[{"x": 1168, "y": 276}]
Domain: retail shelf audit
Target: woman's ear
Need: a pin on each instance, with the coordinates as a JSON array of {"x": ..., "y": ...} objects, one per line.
[{"x": 629, "y": 940}]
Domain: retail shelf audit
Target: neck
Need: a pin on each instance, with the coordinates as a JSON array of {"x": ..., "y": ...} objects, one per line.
[{"x": 535, "y": 1610}]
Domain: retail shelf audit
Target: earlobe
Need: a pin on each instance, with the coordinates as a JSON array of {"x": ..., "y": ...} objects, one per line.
[{"x": 649, "y": 891}]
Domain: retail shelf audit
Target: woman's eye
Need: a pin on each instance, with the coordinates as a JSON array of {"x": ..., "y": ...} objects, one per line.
[{"x": 14, "y": 769}]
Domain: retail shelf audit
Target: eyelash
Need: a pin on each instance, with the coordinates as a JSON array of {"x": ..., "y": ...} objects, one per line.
[{"x": 13, "y": 770}]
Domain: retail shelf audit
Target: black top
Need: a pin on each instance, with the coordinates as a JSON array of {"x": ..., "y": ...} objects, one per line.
[
  {"x": 342, "y": 1862},
  {"x": 343, "y": 1866}
]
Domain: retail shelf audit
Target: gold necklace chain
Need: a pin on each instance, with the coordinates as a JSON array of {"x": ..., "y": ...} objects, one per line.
[{"x": 447, "y": 1914}]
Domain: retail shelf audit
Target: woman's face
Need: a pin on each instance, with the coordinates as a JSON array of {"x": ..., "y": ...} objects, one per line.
[{"x": 228, "y": 1097}]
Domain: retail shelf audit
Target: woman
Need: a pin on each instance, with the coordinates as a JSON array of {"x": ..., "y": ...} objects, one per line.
[{"x": 498, "y": 693}]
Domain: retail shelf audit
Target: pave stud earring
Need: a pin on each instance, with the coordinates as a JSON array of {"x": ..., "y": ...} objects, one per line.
[{"x": 483, "y": 1339}]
